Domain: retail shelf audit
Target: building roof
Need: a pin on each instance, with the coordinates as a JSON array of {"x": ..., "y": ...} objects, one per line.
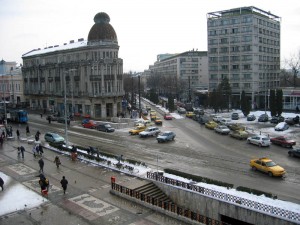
[{"x": 102, "y": 30}]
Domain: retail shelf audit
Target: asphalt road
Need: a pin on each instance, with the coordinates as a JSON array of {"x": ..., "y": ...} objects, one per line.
[{"x": 196, "y": 150}]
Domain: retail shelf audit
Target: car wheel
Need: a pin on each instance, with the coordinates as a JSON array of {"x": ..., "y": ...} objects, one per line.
[
  {"x": 270, "y": 174},
  {"x": 253, "y": 168},
  {"x": 291, "y": 154},
  {"x": 248, "y": 141},
  {"x": 259, "y": 145}
]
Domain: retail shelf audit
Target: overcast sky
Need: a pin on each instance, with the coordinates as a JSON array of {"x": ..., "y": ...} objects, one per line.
[{"x": 145, "y": 28}]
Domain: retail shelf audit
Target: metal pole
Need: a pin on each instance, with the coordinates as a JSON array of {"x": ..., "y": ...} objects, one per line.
[
  {"x": 12, "y": 86},
  {"x": 265, "y": 91},
  {"x": 140, "y": 113},
  {"x": 72, "y": 95},
  {"x": 65, "y": 102},
  {"x": 4, "y": 101}
]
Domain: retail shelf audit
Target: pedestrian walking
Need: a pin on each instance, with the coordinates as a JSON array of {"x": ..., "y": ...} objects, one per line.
[
  {"x": 41, "y": 150},
  {"x": 49, "y": 119},
  {"x": 44, "y": 184},
  {"x": 41, "y": 164},
  {"x": 1, "y": 140},
  {"x": 64, "y": 184},
  {"x": 27, "y": 130},
  {"x": 19, "y": 152},
  {"x": 34, "y": 151},
  {"x": 2, "y": 183},
  {"x": 22, "y": 149},
  {"x": 57, "y": 161},
  {"x": 18, "y": 134}
]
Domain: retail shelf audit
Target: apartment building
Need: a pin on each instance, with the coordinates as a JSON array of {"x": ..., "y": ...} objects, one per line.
[
  {"x": 87, "y": 74},
  {"x": 244, "y": 46},
  {"x": 187, "y": 70}
]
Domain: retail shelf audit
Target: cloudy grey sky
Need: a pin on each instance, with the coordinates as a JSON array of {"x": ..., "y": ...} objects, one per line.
[{"x": 145, "y": 28}]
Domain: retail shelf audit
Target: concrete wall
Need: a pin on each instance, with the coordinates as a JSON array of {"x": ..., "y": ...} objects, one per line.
[{"x": 214, "y": 208}]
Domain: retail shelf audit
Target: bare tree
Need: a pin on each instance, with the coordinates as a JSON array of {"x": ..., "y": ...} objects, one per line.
[{"x": 294, "y": 64}]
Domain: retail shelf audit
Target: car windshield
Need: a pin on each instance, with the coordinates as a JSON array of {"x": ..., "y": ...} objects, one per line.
[
  {"x": 265, "y": 139},
  {"x": 270, "y": 164},
  {"x": 55, "y": 136},
  {"x": 165, "y": 134},
  {"x": 107, "y": 126}
]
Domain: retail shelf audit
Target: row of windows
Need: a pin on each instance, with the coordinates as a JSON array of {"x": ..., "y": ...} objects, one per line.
[
  {"x": 269, "y": 33},
  {"x": 232, "y": 67},
  {"x": 247, "y": 85},
  {"x": 246, "y": 38},
  {"x": 230, "y": 21},
  {"x": 268, "y": 41},
  {"x": 232, "y": 58},
  {"x": 269, "y": 50},
  {"x": 234, "y": 30},
  {"x": 268, "y": 24}
]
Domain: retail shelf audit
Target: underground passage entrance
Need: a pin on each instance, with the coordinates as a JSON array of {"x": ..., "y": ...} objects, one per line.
[{"x": 233, "y": 221}]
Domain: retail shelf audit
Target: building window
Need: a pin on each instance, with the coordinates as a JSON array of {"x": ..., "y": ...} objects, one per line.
[{"x": 235, "y": 67}]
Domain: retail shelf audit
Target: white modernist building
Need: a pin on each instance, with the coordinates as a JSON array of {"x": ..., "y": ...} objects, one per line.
[
  {"x": 88, "y": 72},
  {"x": 244, "y": 46}
]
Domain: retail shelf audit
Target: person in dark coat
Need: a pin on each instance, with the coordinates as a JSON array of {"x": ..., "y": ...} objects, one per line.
[
  {"x": 2, "y": 183},
  {"x": 22, "y": 149},
  {"x": 41, "y": 150},
  {"x": 41, "y": 164},
  {"x": 18, "y": 133},
  {"x": 27, "y": 130},
  {"x": 64, "y": 184}
]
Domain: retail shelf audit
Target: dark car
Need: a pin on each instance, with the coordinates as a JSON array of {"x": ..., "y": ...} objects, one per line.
[
  {"x": 251, "y": 117},
  {"x": 294, "y": 152},
  {"x": 263, "y": 118},
  {"x": 283, "y": 141},
  {"x": 62, "y": 120},
  {"x": 203, "y": 119},
  {"x": 105, "y": 128},
  {"x": 292, "y": 121},
  {"x": 277, "y": 119},
  {"x": 235, "y": 116}
]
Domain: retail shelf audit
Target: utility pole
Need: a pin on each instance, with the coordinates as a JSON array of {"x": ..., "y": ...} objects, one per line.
[{"x": 140, "y": 109}]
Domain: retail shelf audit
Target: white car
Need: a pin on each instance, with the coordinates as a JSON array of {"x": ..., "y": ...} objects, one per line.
[
  {"x": 226, "y": 122},
  {"x": 217, "y": 118},
  {"x": 150, "y": 131},
  {"x": 281, "y": 126},
  {"x": 221, "y": 129},
  {"x": 259, "y": 140}
]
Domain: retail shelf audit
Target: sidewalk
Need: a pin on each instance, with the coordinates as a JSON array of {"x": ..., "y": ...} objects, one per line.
[{"x": 87, "y": 200}]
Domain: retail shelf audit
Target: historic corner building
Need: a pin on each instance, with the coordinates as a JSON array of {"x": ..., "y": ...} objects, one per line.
[
  {"x": 91, "y": 69},
  {"x": 244, "y": 46}
]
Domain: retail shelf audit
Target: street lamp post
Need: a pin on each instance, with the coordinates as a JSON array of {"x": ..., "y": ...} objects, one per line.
[
  {"x": 65, "y": 103},
  {"x": 4, "y": 101},
  {"x": 265, "y": 89}
]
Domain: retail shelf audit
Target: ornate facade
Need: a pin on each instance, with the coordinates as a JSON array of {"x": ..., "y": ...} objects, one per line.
[{"x": 91, "y": 69}]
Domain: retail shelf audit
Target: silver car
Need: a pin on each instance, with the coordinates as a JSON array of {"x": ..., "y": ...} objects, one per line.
[{"x": 259, "y": 140}]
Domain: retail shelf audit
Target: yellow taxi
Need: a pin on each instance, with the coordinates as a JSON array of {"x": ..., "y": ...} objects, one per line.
[
  {"x": 211, "y": 125},
  {"x": 266, "y": 165},
  {"x": 189, "y": 114},
  {"x": 158, "y": 121},
  {"x": 152, "y": 116},
  {"x": 137, "y": 130}
]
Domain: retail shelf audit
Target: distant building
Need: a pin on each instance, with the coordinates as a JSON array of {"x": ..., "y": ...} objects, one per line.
[
  {"x": 92, "y": 70},
  {"x": 244, "y": 46},
  {"x": 188, "y": 69},
  {"x": 11, "y": 84}
]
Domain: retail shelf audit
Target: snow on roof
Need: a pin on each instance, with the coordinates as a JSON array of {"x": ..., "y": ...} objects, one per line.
[{"x": 54, "y": 48}]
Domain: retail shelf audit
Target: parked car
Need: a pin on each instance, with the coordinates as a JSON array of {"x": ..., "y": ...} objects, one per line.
[
  {"x": 91, "y": 124},
  {"x": 137, "y": 130},
  {"x": 235, "y": 116},
  {"x": 211, "y": 125},
  {"x": 292, "y": 121},
  {"x": 251, "y": 117},
  {"x": 189, "y": 114},
  {"x": 62, "y": 120},
  {"x": 282, "y": 126},
  {"x": 168, "y": 116},
  {"x": 166, "y": 136},
  {"x": 181, "y": 110},
  {"x": 150, "y": 131},
  {"x": 145, "y": 112},
  {"x": 105, "y": 127},
  {"x": 226, "y": 122},
  {"x": 217, "y": 118},
  {"x": 283, "y": 141},
  {"x": 221, "y": 129},
  {"x": 203, "y": 119},
  {"x": 259, "y": 140},
  {"x": 239, "y": 134},
  {"x": 263, "y": 118},
  {"x": 54, "y": 138},
  {"x": 152, "y": 116},
  {"x": 236, "y": 126},
  {"x": 86, "y": 120},
  {"x": 277, "y": 119},
  {"x": 294, "y": 152},
  {"x": 266, "y": 165}
]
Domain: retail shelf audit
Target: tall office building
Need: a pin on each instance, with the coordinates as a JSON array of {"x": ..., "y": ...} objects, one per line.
[{"x": 244, "y": 46}]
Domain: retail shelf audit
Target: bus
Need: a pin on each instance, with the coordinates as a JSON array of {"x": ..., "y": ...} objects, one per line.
[{"x": 18, "y": 116}]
